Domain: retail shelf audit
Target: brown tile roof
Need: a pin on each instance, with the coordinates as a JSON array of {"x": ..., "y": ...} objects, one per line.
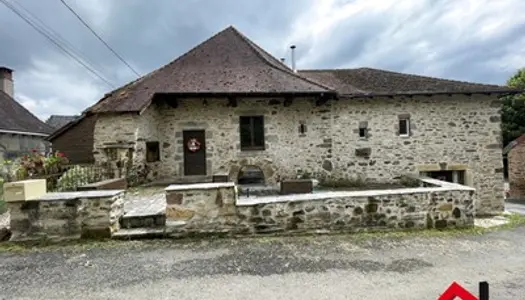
[
  {"x": 514, "y": 143},
  {"x": 367, "y": 81},
  {"x": 226, "y": 63},
  {"x": 15, "y": 117}
]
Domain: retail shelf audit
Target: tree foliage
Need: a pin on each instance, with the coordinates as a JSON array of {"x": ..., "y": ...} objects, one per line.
[{"x": 513, "y": 109}]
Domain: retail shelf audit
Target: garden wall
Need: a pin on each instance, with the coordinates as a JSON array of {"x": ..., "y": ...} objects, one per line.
[
  {"x": 216, "y": 208},
  {"x": 68, "y": 215}
]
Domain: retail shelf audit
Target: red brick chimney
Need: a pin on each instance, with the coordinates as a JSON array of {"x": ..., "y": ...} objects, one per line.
[{"x": 6, "y": 81}]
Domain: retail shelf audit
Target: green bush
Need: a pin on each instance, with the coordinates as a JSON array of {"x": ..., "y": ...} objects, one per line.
[{"x": 76, "y": 177}]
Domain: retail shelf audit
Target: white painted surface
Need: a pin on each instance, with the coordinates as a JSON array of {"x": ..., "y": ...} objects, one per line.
[{"x": 199, "y": 186}]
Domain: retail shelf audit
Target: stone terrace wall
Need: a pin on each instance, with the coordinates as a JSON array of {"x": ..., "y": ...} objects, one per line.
[
  {"x": 361, "y": 211},
  {"x": 215, "y": 208},
  {"x": 69, "y": 215},
  {"x": 202, "y": 207}
]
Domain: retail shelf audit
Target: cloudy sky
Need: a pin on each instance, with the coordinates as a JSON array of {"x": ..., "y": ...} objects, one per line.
[{"x": 471, "y": 40}]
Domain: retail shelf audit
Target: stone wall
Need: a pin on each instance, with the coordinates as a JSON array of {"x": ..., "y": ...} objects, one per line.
[
  {"x": 447, "y": 133},
  {"x": 215, "y": 208},
  {"x": 69, "y": 215},
  {"x": 516, "y": 167},
  {"x": 202, "y": 207}
]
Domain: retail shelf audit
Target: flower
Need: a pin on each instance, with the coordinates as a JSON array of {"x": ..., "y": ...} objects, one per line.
[
  {"x": 61, "y": 154},
  {"x": 33, "y": 150}
]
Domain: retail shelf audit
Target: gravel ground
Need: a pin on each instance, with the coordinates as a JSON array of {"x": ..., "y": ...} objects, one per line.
[{"x": 322, "y": 267}]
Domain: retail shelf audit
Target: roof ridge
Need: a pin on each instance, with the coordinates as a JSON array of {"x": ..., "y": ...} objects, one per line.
[
  {"x": 403, "y": 74},
  {"x": 254, "y": 47},
  {"x": 430, "y": 77}
]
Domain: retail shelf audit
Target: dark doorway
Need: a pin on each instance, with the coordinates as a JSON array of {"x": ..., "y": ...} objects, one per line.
[
  {"x": 194, "y": 144},
  {"x": 449, "y": 176}
]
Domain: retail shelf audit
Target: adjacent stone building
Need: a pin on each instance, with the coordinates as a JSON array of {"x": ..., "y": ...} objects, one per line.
[
  {"x": 227, "y": 104},
  {"x": 75, "y": 139},
  {"x": 515, "y": 154},
  {"x": 20, "y": 130}
]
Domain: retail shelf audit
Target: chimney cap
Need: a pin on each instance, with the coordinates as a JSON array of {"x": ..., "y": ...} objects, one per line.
[
  {"x": 292, "y": 46},
  {"x": 5, "y": 72}
]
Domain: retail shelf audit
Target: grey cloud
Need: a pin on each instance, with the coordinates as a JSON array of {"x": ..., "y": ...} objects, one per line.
[{"x": 149, "y": 34}]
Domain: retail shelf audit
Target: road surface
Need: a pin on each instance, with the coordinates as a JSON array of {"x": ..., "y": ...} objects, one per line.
[{"x": 322, "y": 267}]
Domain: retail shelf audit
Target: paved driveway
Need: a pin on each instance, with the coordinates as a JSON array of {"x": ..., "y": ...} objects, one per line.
[
  {"x": 515, "y": 208},
  {"x": 324, "y": 267}
]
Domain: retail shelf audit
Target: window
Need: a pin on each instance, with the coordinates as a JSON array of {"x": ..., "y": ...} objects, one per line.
[
  {"x": 362, "y": 132},
  {"x": 404, "y": 127},
  {"x": 363, "y": 129},
  {"x": 302, "y": 128},
  {"x": 111, "y": 153},
  {"x": 252, "y": 133},
  {"x": 152, "y": 151},
  {"x": 449, "y": 176}
]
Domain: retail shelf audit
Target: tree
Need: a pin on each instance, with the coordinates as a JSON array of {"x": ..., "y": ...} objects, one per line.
[{"x": 513, "y": 109}]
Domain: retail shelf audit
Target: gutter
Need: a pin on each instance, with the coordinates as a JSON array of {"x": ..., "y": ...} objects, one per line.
[{"x": 23, "y": 133}]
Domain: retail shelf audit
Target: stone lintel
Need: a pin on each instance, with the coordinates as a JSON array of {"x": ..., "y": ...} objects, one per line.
[{"x": 438, "y": 167}]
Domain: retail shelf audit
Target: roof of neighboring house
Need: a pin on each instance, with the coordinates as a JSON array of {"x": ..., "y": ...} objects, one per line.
[
  {"x": 226, "y": 63},
  {"x": 59, "y": 131},
  {"x": 367, "y": 81},
  {"x": 513, "y": 144},
  {"x": 58, "y": 121},
  {"x": 15, "y": 117}
]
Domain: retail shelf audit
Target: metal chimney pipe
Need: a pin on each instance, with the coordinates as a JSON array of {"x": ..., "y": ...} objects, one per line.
[
  {"x": 282, "y": 59},
  {"x": 293, "y": 58}
]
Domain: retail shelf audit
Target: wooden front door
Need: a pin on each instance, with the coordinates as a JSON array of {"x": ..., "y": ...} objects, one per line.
[{"x": 194, "y": 152}]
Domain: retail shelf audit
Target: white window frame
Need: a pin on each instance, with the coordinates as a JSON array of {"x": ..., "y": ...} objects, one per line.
[{"x": 407, "y": 120}]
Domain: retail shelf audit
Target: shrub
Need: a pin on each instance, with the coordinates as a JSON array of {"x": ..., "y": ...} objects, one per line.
[
  {"x": 75, "y": 177},
  {"x": 137, "y": 175},
  {"x": 9, "y": 169}
]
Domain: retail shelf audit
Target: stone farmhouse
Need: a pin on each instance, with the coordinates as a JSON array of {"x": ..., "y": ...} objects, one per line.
[{"x": 227, "y": 104}]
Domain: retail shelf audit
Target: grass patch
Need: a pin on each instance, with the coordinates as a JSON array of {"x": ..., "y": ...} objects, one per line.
[{"x": 69, "y": 246}]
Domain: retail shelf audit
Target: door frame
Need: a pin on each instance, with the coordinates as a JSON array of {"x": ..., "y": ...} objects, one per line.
[{"x": 200, "y": 135}]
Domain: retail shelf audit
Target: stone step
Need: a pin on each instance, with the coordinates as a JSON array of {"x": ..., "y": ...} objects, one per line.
[
  {"x": 143, "y": 221},
  {"x": 135, "y": 233}
]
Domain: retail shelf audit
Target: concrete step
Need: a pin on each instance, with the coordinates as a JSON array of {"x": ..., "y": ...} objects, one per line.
[
  {"x": 143, "y": 221},
  {"x": 149, "y": 232},
  {"x": 135, "y": 233}
]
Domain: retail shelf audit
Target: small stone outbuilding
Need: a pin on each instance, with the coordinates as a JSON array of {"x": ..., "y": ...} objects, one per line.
[{"x": 515, "y": 155}]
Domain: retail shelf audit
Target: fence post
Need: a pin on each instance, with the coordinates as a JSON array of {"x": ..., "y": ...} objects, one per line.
[{"x": 483, "y": 290}]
